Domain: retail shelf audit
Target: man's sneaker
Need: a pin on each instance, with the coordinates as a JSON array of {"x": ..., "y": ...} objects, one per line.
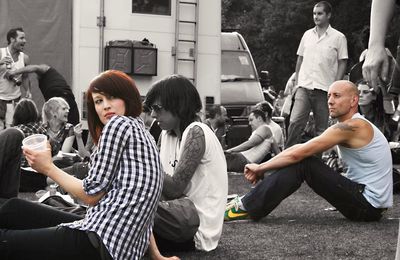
[{"x": 233, "y": 212}]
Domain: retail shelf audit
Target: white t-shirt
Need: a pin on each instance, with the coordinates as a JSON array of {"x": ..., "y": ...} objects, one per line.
[
  {"x": 277, "y": 133},
  {"x": 208, "y": 188}
]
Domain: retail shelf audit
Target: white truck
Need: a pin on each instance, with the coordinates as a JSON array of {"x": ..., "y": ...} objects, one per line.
[
  {"x": 186, "y": 35},
  {"x": 81, "y": 38}
]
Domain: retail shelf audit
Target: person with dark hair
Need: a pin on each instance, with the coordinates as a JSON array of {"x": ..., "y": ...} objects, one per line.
[
  {"x": 363, "y": 193},
  {"x": 150, "y": 123},
  {"x": 52, "y": 84},
  {"x": 322, "y": 59},
  {"x": 26, "y": 116},
  {"x": 254, "y": 150},
  {"x": 12, "y": 58},
  {"x": 371, "y": 104},
  {"x": 276, "y": 129},
  {"x": 122, "y": 188},
  {"x": 216, "y": 119},
  {"x": 193, "y": 161},
  {"x": 10, "y": 162}
]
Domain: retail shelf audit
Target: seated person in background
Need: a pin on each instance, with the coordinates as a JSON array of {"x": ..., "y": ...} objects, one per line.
[
  {"x": 254, "y": 150},
  {"x": 276, "y": 129},
  {"x": 10, "y": 162},
  {"x": 376, "y": 104},
  {"x": 55, "y": 120},
  {"x": 84, "y": 150},
  {"x": 55, "y": 117},
  {"x": 122, "y": 188},
  {"x": 150, "y": 123},
  {"x": 53, "y": 84},
  {"x": 363, "y": 194},
  {"x": 216, "y": 119},
  {"x": 27, "y": 118},
  {"x": 193, "y": 161},
  {"x": 371, "y": 104}
]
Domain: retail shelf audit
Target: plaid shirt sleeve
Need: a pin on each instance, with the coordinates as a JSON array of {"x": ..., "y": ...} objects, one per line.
[{"x": 107, "y": 156}]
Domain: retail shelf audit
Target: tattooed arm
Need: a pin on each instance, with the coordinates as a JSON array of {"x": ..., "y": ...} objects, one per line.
[
  {"x": 352, "y": 133},
  {"x": 193, "y": 151}
]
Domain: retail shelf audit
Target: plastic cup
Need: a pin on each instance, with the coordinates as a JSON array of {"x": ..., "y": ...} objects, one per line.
[{"x": 35, "y": 142}]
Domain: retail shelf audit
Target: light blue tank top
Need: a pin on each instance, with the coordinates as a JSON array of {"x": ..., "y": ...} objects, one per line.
[{"x": 371, "y": 165}]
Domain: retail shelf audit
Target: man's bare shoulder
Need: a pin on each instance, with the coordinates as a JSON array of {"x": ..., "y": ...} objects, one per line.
[
  {"x": 351, "y": 125},
  {"x": 357, "y": 132}
]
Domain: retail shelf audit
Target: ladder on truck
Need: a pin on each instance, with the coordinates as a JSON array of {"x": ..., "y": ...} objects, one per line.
[{"x": 185, "y": 51}]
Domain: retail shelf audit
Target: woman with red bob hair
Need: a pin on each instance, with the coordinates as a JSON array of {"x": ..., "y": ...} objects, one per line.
[{"x": 122, "y": 187}]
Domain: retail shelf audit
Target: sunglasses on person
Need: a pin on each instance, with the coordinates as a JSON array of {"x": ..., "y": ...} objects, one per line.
[
  {"x": 156, "y": 107},
  {"x": 364, "y": 92}
]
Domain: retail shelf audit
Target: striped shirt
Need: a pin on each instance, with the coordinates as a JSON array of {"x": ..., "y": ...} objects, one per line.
[{"x": 127, "y": 166}]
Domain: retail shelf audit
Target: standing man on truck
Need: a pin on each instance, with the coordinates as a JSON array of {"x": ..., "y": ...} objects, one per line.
[
  {"x": 322, "y": 59},
  {"x": 12, "y": 58}
]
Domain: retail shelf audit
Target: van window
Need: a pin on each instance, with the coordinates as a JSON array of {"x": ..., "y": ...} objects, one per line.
[
  {"x": 158, "y": 7},
  {"x": 236, "y": 66}
]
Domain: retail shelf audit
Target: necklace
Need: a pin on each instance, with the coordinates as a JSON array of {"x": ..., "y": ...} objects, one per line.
[{"x": 173, "y": 161}]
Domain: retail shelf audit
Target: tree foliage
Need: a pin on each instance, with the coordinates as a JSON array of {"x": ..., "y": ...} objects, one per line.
[{"x": 273, "y": 30}]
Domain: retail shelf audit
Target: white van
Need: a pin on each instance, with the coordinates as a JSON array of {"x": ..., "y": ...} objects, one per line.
[{"x": 240, "y": 85}]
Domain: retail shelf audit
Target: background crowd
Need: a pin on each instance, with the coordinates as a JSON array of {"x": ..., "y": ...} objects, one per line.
[{"x": 153, "y": 174}]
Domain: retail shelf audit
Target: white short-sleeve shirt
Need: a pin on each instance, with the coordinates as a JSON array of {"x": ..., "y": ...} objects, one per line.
[{"x": 320, "y": 58}]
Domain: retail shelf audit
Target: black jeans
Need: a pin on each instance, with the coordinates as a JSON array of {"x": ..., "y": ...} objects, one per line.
[
  {"x": 345, "y": 195},
  {"x": 29, "y": 230}
]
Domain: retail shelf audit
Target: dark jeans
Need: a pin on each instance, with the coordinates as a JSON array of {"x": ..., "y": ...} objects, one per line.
[
  {"x": 305, "y": 101},
  {"x": 166, "y": 246},
  {"x": 10, "y": 161},
  {"x": 345, "y": 195},
  {"x": 28, "y": 231}
]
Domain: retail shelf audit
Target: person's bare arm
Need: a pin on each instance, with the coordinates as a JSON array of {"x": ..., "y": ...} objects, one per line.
[
  {"x": 342, "y": 65},
  {"x": 42, "y": 162},
  {"x": 26, "y": 69},
  {"x": 262, "y": 133},
  {"x": 26, "y": 82},
  {"x": 376, "y": 61},
  {"x": 298, "y": 66},
  {"x": 337, "y": 134},
  {"x": 193, "y": 151},
  {"x": 3, "y": 61}
]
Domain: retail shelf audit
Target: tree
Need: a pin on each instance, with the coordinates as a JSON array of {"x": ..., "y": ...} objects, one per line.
[{"x": 273, "y": 30}]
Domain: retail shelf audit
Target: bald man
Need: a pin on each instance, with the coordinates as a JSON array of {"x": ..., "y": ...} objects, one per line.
[{"x": 363, "y": 195}]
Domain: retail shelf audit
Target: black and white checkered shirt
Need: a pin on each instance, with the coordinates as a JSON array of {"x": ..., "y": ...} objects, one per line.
[{"x": 127, "y": 166}]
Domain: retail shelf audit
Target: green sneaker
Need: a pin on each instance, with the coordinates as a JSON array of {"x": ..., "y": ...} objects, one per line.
[{"x": 233, "y": 212}]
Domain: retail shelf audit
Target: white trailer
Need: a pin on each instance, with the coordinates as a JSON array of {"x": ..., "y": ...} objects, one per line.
[{"x": 187, "y": 35}]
